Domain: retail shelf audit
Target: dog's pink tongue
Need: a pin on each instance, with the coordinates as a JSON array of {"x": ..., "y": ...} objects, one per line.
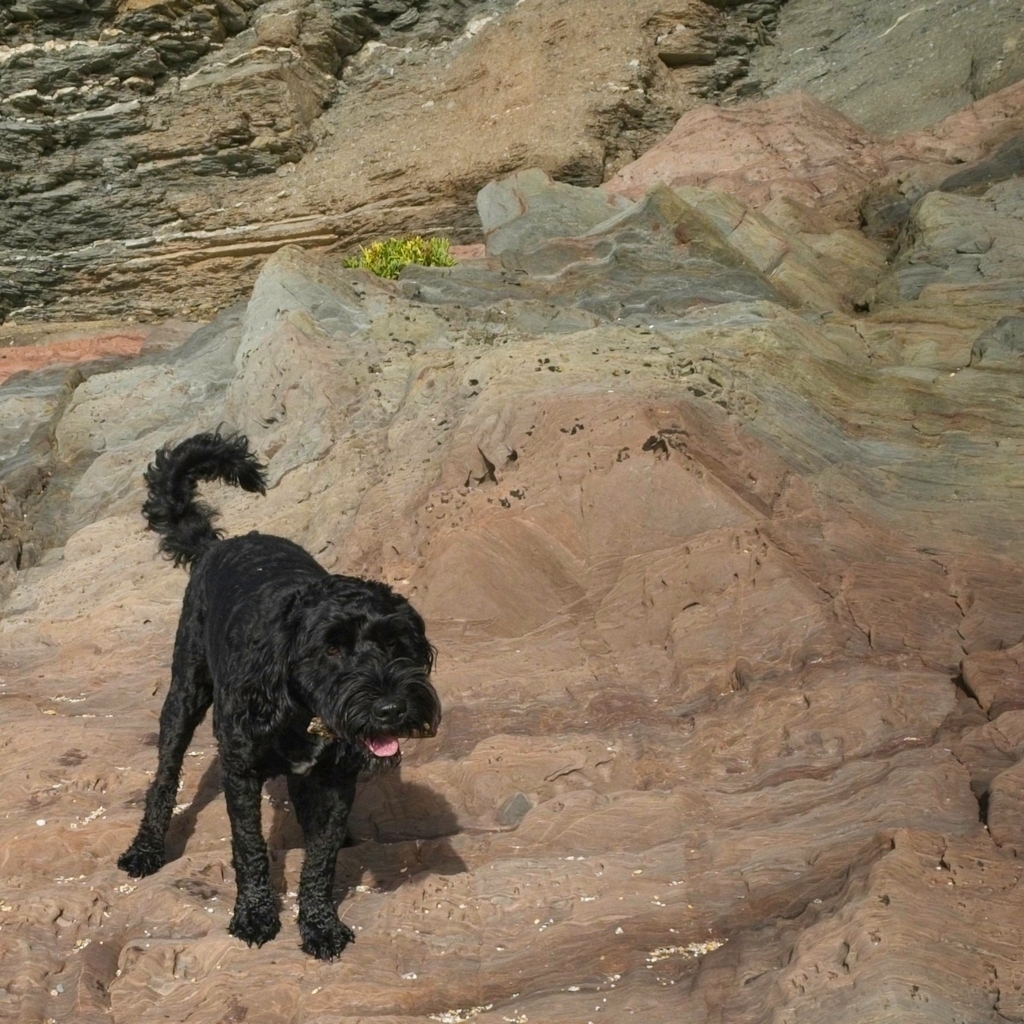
[{"x": 382, "y": 746}]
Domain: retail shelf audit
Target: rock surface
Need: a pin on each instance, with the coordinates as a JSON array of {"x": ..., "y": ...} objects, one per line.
[
  {"x": 707, "y": 482},
  {"x": 795, "y": 147},
  {"x": 128, "y": 127},
  {"x": 155, "y": 154},
  {"x": 709, "y": 507},
  {"x": 893, "y": 66}
]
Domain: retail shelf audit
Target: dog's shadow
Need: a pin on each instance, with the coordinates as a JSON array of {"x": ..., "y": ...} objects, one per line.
[
  {"x": 183, "y": 825},
  {"x": 397, "y": 829}
]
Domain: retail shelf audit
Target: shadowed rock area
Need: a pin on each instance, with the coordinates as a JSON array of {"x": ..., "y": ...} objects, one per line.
[{"x": 707, "y": 482}]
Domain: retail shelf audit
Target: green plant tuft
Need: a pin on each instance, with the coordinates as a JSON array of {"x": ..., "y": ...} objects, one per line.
[{"x": 386, "y": 259}]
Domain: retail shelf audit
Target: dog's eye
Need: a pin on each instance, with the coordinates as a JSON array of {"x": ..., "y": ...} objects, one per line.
[{"x": 340, "y": 636}]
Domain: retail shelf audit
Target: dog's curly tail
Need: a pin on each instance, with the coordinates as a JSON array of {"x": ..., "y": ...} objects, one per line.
[{"x": 185, "y": 524}]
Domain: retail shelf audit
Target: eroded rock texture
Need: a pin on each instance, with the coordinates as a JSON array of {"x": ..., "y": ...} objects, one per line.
[
  {"x": 127, "y": 127},
  {"x": 714, "y": 517},
  {"x": 153, "y": 154},
  {"x": 893, "y": 66}
]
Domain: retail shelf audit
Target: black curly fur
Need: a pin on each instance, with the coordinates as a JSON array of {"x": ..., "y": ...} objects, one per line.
[
  {"x": 272, "y": 641},
  {"x": 185, "y": 524}
]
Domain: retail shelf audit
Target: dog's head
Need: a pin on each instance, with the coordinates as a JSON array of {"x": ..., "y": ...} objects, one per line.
[{"x": 364, "y": 667}]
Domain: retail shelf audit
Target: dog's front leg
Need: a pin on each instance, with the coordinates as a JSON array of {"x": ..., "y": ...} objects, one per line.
[
  {"x": 322, "y": 801},
  {"x": 256, "y": 919}
]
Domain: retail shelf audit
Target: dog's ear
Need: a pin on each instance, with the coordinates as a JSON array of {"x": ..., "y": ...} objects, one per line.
[
  {"x": 265, "y": 665},
  {"x": 423, "y": 652}
]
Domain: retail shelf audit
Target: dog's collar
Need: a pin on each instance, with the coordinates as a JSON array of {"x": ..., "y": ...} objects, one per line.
[{"x": 317, "y": 727}]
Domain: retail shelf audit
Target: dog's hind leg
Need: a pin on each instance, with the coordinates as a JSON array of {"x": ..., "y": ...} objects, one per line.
[
  {"x": 322, "y": 801},
  {"x": 188, "y": 699}
]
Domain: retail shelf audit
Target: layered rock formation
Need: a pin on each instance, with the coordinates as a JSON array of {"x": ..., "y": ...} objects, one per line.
[
  {"x": 128, "y": 127},
  {"x": 894, "y": 66},
  {"x": 154, "y": 154},
  {"x": 712, "y": 512},
  {"x": 706, "y": 480}
]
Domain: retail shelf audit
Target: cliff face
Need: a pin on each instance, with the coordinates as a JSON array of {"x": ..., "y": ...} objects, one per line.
[
  {"x": 132, "y": 130},
  {"x": 154, "y": 154},
  {"x": 707, "y": 483}
]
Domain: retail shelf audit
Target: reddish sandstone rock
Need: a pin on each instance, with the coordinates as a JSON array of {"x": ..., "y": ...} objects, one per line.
[
  {"x": 63, "y": 352},
  {"x": 795, "y": 147},
  {"x": 789, "y": 146}
]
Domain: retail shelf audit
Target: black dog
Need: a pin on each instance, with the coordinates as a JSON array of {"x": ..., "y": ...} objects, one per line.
[{"x": 310, "y": 675}]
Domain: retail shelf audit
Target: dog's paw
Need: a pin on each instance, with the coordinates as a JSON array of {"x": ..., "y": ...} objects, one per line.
[
  {"x": 325, "y": 937},
  {"x": 255, "y": 921},
  {"x": 140, "y": 860}
]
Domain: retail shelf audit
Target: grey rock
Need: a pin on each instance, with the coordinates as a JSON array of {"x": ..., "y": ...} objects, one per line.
[
  {"x": 884, "y": 214},
  {"x": 12, "y": 524},
  {"x": 653, "y": 259},
  {"x": 463, "y": 285},
  {"x": 31, "y": 406},
  {"x": 1006, "y": 162},
  {"x": 657, "y": 258},
  {"x": 514, "y": 809},
  {"x": 528, "y": 207},
  {"x": 714, "y": 43},
  {"x": 1000, "y": 347},
  {"x": 955, "y": 240},
  {"x": 911, "y": 279},
  {"x": 97, "y": 423},
  {"x": 893, "y": 66}
]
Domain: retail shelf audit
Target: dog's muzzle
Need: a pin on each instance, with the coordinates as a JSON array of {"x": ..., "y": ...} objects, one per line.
[{"x": 381, "y": 702}]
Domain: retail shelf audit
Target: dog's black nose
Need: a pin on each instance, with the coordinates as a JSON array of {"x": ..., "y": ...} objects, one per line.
[{"x": 389, "y": 710}]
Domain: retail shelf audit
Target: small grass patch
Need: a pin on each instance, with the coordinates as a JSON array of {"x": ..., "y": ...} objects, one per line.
[{"x": 386, "y": 259}]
